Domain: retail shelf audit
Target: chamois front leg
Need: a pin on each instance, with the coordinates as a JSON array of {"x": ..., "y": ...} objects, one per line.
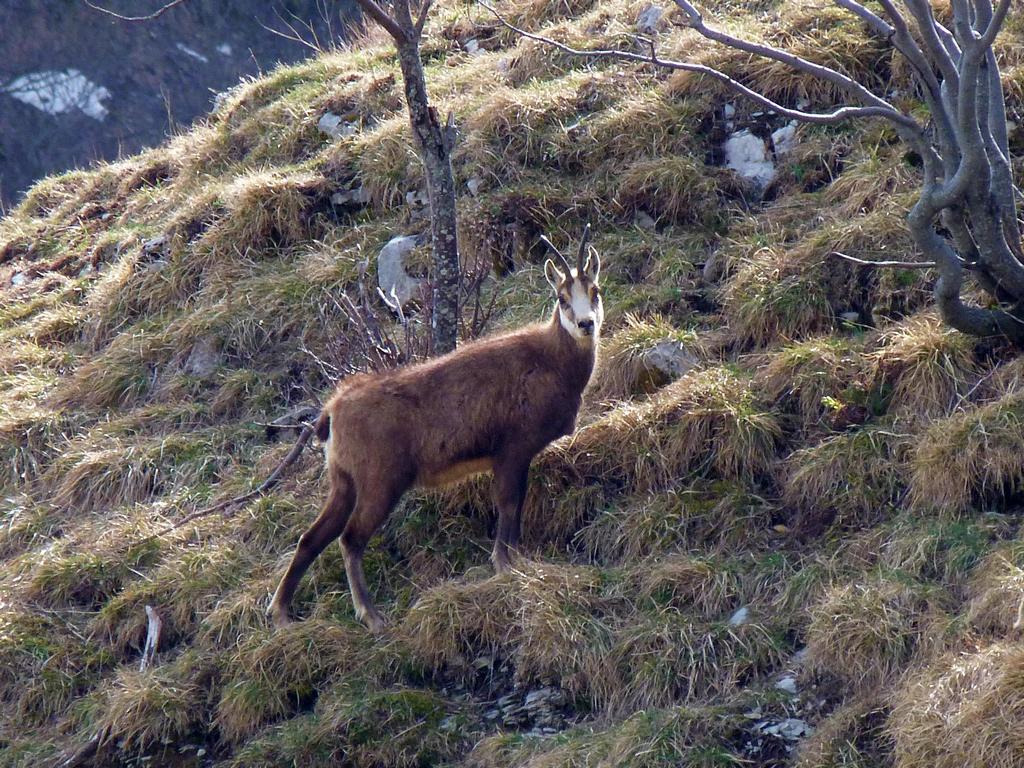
[{"x": 509, "y": 491}]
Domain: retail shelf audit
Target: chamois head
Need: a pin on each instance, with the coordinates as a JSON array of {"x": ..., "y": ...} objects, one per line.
[{"x": 580, "y": 309}]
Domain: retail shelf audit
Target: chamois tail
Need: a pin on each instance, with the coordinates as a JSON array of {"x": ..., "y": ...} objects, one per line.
[{"x": 322, "y": 428}]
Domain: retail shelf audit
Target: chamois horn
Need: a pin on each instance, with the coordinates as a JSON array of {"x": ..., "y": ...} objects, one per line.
[
  {"x": 583, "y": 249},
  {"x": 561, "y": 258}
]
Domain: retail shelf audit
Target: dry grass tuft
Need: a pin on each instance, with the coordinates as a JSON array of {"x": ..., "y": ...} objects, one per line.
[
  {"x": 849, "y": 479},
  {"x": 691, "y": 736},
  {"x": 805, "y": 378},
  {"x": 163, "y": 705},
  {"x": 929, "y": 366},
  {"x": 962, "y": 711},
  {"x": 866, "y": 632},
  {"x": 271, "y": 673},
  {"x": 973, "y": 455}
]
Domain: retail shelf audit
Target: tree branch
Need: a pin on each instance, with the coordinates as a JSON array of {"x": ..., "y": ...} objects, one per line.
[
  {"x": 845, "y": 82},
  {"x": 422, "y": 18},
  {"x": 885, "y": 264},
  {"x": 157, "y": 13},
  {"x": 379, "y": 15},
  {"x": 837, "y": 115}
]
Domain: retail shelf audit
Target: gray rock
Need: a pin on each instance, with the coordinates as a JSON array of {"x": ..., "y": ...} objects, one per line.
[
  {"x": 644, "y": 220},
  {"x": 787, "y": 684},
  {"x": 335, "y": 126},
  {"x": 204, "y": 358},
  {"x": 850, "y": 317},
  {"x": 474, "y": 185},
  {"x": 648, "y": 18},
  {"x": 472, "y": 47},
  {"x": 670, "y": 358},
  {"x": 392, "y": 275},
  {"x": 18, "y": 278},
  {"x": 358, "y": 196}
]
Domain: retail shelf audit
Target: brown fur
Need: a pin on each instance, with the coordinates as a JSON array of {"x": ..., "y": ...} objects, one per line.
[{"x": 491, "y": 405}]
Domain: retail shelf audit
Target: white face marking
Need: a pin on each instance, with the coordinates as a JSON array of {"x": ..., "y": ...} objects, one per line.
[{"x": 581, "y": 309}]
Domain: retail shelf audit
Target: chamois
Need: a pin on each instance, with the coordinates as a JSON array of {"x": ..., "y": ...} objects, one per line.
[{"x": 491, "y": 405}]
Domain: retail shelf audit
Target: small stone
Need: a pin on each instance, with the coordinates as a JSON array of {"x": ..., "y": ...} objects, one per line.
[
  {"x": 644, "y": 220},
  {"x": 747, "y": 154},
  {"x": 18, "y": 278},
  {"x": 648, "y": 18},
  {"x": 87, "y": 269},
  {"x": 850, "y": 317},
  {"x": 729, "y": 111},
  {"x": 787, "y": 684},
  {"x": 472, "y": 47},
  {"x": 741, "y": 616},
  {"x": 154, "y": 245},
  {"x": 670, "y": 358},
  {"x": 474, "y": 185}
]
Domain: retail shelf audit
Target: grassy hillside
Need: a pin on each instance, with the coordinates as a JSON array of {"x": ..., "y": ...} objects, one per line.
[{"x": 805, "y": 551}]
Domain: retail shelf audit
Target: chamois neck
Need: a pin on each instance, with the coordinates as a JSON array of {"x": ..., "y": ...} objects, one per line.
[{"x": 576, "y": 356}]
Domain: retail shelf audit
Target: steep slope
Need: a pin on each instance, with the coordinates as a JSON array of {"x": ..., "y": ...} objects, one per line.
[{"x": 803, "y": 551}]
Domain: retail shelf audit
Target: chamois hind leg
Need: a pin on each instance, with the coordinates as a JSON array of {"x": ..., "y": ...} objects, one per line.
[
  {"x": 325, "y": 529},
  {"x": 509, "y": 492},
  {"x": 370, "y": 513}
]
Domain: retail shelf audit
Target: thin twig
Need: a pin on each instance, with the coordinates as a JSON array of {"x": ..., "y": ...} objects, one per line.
[
  {"x": 889, "y": 264},
  {"x": 272, "y": 480},
  {"x": 155, "y": 14}
]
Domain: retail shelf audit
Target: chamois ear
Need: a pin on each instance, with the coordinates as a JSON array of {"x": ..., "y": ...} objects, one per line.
[
  {"x": 553, "y": 275},
  {"x": 592, "y": 269}
]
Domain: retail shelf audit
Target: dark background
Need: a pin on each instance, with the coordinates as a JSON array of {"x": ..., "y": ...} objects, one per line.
[{"x": 154, "y": 85}]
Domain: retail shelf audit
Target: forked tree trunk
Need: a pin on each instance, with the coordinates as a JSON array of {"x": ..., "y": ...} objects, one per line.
[
  {"x": 434, "y": 143},
  {"x": 965, "y": 220}
]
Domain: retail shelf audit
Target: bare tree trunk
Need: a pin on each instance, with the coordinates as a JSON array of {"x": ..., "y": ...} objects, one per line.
[
  {"x": 434, "y": 143},
  {"x": 965, "y": 220}
]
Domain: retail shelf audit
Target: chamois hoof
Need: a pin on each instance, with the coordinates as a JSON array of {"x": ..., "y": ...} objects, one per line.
[
  {"x": 279, "y": 617},
  {"x": 373, "y": 621}
]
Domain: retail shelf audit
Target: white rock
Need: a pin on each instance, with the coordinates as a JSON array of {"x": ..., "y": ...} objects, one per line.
[
  {"x": 729, "y": 110},
  {"x": 472, "y": 47},
  {"x": 741, "y": 616},
  {"x": 224, "y": 49},
  {"x": 392, "y": 275},
  {"x": 57, "y": 92},
  {"x": 648, "y": 18},
  {"x": 18, "y": 278},
  {"x": 474, "y": 185},
  {"x": 850, "y": 317},
  {"x": 784, "y": 139},
  {"x": 746, "y": 154},
  {"x": 670, "y": 358},
  {"x": 204, "y": 358},
  {"x": 787, "y": 684}
]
